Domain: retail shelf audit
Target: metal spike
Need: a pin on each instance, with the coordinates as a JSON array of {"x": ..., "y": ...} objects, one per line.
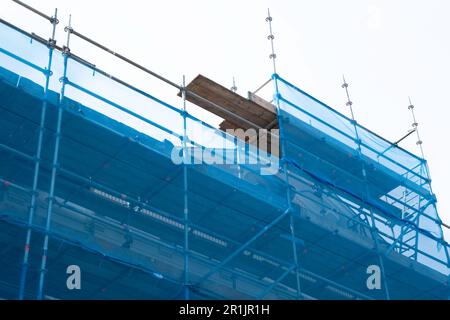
[
  {"x": 271, "y": 37},
  {"x": 234, "y": 88},
  {"x": 349, "y": 102},
  {"x": 415, "y": 126}
]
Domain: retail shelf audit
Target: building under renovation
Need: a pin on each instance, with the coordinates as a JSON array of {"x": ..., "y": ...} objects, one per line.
[{"x": 311, "y": 213}]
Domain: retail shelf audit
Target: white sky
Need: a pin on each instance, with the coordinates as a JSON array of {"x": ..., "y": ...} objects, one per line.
[{"x": 388, "y": 50}]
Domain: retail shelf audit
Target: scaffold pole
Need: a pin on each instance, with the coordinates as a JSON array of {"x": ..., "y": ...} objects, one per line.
[
  {"x": 55, "y": 165},
  {"x": 37, "y": 160},
  {"x": 185, "y": 196},
  {"x": 271, "y": 37},
  {"x": 372, "y": 225}
]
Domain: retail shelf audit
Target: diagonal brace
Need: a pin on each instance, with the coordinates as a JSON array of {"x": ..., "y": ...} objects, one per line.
[
  {"x": 276, "y": 282},
  {"x": 244, "y": 246}
]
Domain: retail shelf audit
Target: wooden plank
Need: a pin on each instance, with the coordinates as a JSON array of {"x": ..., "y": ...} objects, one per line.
[
  {"x": 229, "y": 100},
  {"x": 255, "y": 109}
]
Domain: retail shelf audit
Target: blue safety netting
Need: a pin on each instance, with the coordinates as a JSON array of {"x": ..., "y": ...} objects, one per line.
[
  {"x": 15, "y": 46},
  {"x": 371, "y": 173},
  {"x": 130, "y": 190}
]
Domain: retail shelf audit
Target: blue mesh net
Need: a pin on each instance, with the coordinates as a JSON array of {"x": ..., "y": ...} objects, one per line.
[
  {"x": 119, "y": 194},
  {"x": 363, "y": 168}
]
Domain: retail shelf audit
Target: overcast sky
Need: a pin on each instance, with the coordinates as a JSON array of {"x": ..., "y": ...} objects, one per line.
[{"x": 388, "y": 50}]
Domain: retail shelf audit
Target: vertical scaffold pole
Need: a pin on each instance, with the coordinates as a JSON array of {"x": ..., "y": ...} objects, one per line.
[
  {"x": 37, "y": 164},
  {"x": 364, "y": 173},
  {"x": 234, "y": 88},
  {"x": 273, "y": 56},
  {"x": 51, "y": 196},
  {"x": 425, "y": 171},
  {"x": 415, "y": 126},
  {"x": 185, "y": 194},
  {"x": 289, "y": 201}
]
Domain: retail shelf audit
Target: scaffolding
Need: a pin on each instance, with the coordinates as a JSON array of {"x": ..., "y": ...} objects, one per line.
[{"x": 88, "y": 179}]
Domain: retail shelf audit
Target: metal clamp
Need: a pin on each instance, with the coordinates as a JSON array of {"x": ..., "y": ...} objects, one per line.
[
  {"x": 68, "y": 29},
  {"x": 54, "y": 20}
]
